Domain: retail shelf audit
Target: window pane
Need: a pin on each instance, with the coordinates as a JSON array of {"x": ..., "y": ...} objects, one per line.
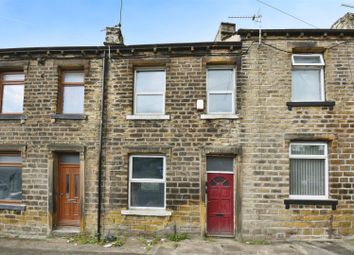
[
  {"x": 220, "y": 79},
  {"x": 74, "y": 77},
  {"x": 10, "y": 183},
  {"x": 149, "y": 168},
  {"x": 307, "y": 59},
  {"x": 73, "y": 99},
  {"x": 307, "y": 177},
  {"x": 12, "y": 101},
  {"x": 306, "y": 85},
  {"x": 10, "y": 159},
  {"x": 14, "y": 77},
  {"x": 69, "y": 158},
  {"x": 149, "y": 104},
  {"x": 221, "y": 103},
  {"x": 298, "y": 149},
  {"x": 220, "y": 164},
  {"x": 147, "y": 194},
  {"x": 150, "y": 81}
]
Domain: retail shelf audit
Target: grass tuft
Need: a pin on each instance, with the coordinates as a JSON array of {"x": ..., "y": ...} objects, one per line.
[{"x": 177, "y": 237}]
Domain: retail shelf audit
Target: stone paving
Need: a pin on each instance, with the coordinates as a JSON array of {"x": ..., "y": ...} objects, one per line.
[{"x": 197, "y": 246}]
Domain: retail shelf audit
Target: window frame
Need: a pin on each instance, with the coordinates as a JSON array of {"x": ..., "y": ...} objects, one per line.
[
  {"x": 149, "y": 69},
  {"x": 140, "y": 180},
  {"x": 310, "y": 66},
  {"x": 216, "y": 92},
  {"x": 324, "y": 157},
  {"x": 63, "y": 84},
  {"x": 8, "y": 164},
  {"x": 9, "y": 83}
]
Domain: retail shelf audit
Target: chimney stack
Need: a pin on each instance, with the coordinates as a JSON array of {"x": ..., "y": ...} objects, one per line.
[
  {"x": 226, "y": 32},
  {"x": 114, "y": 36},
  {"x": 345, "y": 22}
]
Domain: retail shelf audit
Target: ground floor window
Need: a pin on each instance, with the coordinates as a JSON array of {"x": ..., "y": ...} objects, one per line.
[
  {"x": 10, "y": 177},
  {"x": 308, "y": 170},
  {"x": 147, "y": 181}
]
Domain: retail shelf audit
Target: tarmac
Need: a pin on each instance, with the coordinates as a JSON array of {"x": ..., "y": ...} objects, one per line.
[{"x": 197, "y": 246}]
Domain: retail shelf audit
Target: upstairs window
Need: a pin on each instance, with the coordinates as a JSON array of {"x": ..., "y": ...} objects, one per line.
[
  {"x": 12, "y": 92},
  {"x": 307, "y": 78},
  {"x": 308, "y": 171},
  {"x": 10, "y": 177},
  {"x": 221, "y": 90},
  {"x": 72, "y": 90},
  {"x": 149, "y": 96},
  {"x": 147, "y": 182}
]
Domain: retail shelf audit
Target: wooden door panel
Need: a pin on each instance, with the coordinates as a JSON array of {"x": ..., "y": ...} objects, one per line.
[
  {"x": 220, "y": 210},
  {"x": 68, "y": 205}
]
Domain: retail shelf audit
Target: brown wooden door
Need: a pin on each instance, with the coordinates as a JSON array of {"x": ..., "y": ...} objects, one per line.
[
  {"x": 68, "y": 197},
  {"x": 220, "y": 210}
]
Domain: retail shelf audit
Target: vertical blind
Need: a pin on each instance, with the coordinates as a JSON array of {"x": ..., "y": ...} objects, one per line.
[{"x": 307, "y": 177}]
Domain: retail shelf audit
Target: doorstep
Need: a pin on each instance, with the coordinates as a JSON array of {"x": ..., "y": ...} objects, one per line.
[{"x": 65, "y": 231}]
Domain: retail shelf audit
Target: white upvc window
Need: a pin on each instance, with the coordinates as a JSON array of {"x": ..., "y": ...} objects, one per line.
[
  {"x": 147, "y": 182},
  {"x": 308, "y": 170},
  {"x": 149, "y": 91},
  {"x": 221, "y": 82},
  {"x": 307, "y": 78}
]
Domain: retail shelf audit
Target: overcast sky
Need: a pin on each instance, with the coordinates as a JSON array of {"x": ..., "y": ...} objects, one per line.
[{"x": 26, "y": 23}]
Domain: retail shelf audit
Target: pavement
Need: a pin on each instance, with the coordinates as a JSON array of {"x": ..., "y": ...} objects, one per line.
[{"x": 194, "y": 246}]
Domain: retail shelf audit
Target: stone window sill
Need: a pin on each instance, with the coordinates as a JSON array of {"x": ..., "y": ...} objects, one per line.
[
  {"x": 329, "y": 104},
  {"x": 12, "y": 117},
  {"x": 146, "y": 212},
  {"x": 69, "y": 116},
  {"x": 148, "y": 117},
  {"x": 13, "y": 207},
  {"x": 331, "y": 202},
  {"x": 218, "y": 116}
]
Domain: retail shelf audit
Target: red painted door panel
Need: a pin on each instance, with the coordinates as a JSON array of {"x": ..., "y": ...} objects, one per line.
[
  {"x": 220, "y": 210},
  {"x": 68, "y": 197}
]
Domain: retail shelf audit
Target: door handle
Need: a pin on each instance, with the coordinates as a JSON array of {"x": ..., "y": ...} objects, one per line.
[
  {"x": 219, "y": 214},
  {"x": 71, "y": 200}
]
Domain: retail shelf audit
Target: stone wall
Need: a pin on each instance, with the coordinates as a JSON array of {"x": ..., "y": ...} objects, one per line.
[
  {"x": 182, "y": 139},
  {"x": 259, "y": 139},
  {"x": 269, "y": 127},
  {"x": 39, "y": 133}
]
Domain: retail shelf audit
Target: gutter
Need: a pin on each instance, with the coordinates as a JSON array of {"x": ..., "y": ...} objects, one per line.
[
  {"x": 297, "y": 32},
  {"x": 128, "y": 48},
  {"x": 100, "y": 146}
]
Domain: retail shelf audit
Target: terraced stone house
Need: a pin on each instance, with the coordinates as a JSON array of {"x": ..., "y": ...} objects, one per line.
[{"x": 247, "y": 136}]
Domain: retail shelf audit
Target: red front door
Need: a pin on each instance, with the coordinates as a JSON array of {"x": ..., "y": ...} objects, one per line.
[
  {"x": 68, "y": 197},
  {"x": 220, "y": 209}
]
